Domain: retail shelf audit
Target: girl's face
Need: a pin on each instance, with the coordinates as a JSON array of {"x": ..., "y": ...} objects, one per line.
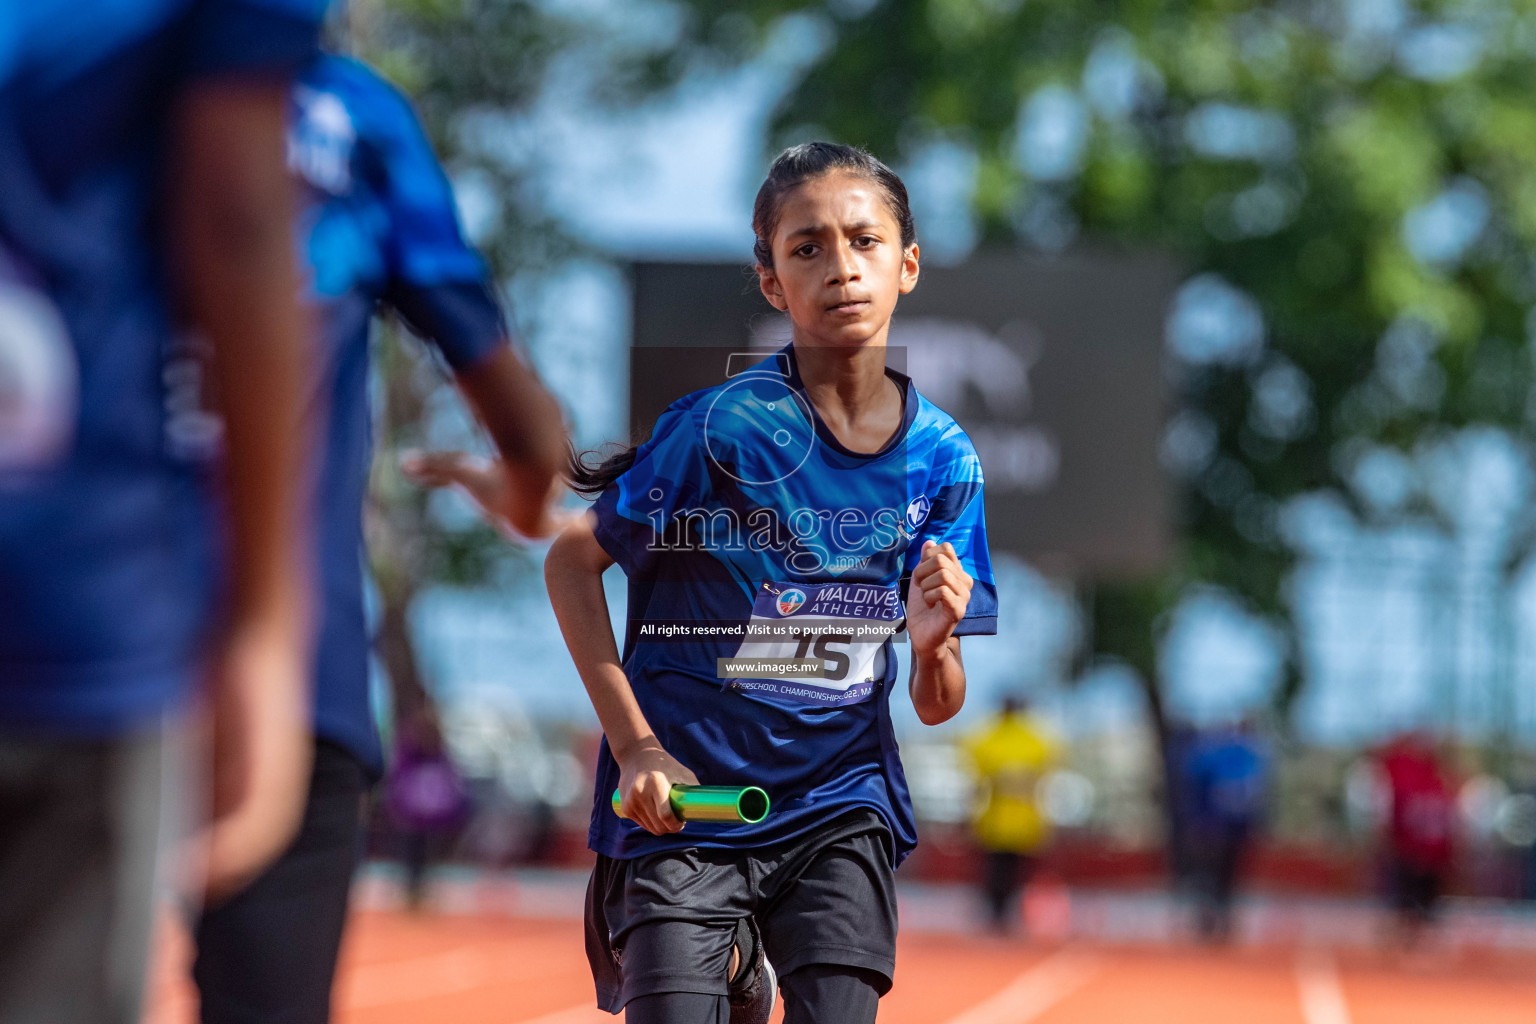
[{"x": 838, "y": 264}]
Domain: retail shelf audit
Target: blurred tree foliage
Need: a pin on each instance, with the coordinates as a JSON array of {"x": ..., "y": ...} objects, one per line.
[{"x": 1360, "y": 174}]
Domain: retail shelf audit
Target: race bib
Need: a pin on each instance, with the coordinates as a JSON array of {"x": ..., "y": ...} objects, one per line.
[
  {"x": 39, "y": 389},
  {"x": 818, "y": 643}
]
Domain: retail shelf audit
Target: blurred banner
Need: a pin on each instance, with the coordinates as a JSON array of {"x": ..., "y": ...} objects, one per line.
[{"x": 1054, "y": 367}]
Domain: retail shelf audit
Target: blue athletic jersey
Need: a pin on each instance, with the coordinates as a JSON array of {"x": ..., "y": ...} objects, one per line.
[
  {"x": 1226, "y": 775},
  {"x": 104, "y": 534},
  {"x": 750, "y": 535},
  {"x": 378, "y": 225}
]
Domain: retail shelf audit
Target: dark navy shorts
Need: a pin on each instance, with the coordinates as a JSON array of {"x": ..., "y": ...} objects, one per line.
[{"x": 667, "y": 922}]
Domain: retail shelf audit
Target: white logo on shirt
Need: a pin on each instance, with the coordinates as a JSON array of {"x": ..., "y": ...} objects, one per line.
[
  {"x": 39, "y": 387},
  {"x": 917, "y": 512},
  {"x": 321, "y": 140}
]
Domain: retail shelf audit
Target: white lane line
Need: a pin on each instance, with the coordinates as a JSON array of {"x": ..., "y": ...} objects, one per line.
[
  {"x": 1035, "y": 991},
  {"x": 1322, "y": 995}
]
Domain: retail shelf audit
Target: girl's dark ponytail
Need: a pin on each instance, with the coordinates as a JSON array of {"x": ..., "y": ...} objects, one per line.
[{"x": 613, "y": 461}]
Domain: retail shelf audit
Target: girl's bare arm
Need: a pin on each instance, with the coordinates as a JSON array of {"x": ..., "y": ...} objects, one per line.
[
  {"x": 936, "y": 602},
  {"x": 574, "y": 574}
]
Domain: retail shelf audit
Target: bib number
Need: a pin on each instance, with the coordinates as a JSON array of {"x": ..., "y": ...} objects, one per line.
[
  {"x": 836, "y": 632},
  {"x": 831, "y": 649}
]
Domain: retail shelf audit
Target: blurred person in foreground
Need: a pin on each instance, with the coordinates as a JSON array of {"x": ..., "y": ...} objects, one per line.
[
  {"x": 1420, "y": 830},
  {"x": 379, "y": 228},
  {"x": 143, "y": 201},
  {"x": 1225, "y": 776},
  {"x": 1010, "y": 756}
]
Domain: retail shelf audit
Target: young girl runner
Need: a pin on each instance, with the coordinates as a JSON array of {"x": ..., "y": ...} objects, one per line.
[
  {"x": 805, "y": 508},
  {"x": 818, "y": 486}
]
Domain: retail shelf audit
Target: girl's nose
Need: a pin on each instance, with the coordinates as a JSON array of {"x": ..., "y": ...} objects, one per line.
[{"x": 844, "y": 267}]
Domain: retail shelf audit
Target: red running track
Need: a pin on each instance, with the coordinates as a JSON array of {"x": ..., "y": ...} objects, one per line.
[{"x": 400, "y": 968}]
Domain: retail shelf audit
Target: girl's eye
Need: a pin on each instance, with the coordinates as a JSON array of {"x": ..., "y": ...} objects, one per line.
[
  {"x": 866, "y": 240},
  {"x": 806, "y": 250}
]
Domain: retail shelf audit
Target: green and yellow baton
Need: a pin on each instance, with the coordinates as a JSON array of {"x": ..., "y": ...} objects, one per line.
[{"x": 714, "y": 803}]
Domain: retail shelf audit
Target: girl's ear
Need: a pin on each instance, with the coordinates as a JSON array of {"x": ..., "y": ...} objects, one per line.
[
  {"x": 768, "y": 281},
  {"x": 909, "y": 269}
]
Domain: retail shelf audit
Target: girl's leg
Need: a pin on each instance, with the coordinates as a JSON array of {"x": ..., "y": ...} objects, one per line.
[
  {"x": 841, "y": 907},
  {"x": 664, "y": 924},
  {"x": 829, "y": 994},
  {"x": 678, "y": 1008}
]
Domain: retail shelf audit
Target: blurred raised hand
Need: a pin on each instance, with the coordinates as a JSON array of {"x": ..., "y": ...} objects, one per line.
[{"x": 488, "y": 484}]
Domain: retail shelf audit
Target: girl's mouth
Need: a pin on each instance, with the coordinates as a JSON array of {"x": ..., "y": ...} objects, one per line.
[{"x": 850, "y": 308}]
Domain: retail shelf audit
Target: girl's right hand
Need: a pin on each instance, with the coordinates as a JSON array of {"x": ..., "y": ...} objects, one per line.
[{"x": 645, "y": 789}]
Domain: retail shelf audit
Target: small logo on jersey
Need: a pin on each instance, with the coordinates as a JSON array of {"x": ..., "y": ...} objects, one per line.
[
  {"x": 321, "y": 140},
  {"x": 790, "y": 602},
  {"x": 917, "y": 512},
  {"x": 39, "y": 378}
]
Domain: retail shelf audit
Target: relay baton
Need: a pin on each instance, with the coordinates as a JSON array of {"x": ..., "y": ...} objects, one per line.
[{"x": 715, "y": 803}]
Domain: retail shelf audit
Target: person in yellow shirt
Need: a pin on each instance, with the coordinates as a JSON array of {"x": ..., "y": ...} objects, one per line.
[{"x": 1010, "y": 755}]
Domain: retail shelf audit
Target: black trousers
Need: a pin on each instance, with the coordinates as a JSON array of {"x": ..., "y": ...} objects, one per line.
[
  {"x": 1006, "y": 874},
  {"x": 268, "y": 955},
  {"x": 1415, "y": 888},
  {"x": 1216, "y": 858},
  {"x": 665, "y": 923},
  {"x": 814, "y": 994}
]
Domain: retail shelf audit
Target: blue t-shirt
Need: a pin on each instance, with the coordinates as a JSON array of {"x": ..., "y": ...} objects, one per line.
[
  {"x": 748, "y": 532},
  {"x": 378, "y": 226},
  {"x": 1227, "y": 778},
  {"x": 104, "y": 532}
]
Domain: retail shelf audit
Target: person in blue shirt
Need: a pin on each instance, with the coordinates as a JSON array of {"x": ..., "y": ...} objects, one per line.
[
  {"x": 1225, "y": 773},
  {"x": 808, "y": 509},
  {"x": 378, "y": 229},
  {"x": 143, "y": 200}
]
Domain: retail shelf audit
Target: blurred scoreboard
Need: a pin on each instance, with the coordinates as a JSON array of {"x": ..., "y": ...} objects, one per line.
[{"x": 1054, "y": 367}]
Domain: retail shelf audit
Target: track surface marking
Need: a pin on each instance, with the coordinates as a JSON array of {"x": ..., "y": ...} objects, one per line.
[
  {"x": 1322, "y": 994},
  {"x": 399, "y": 968},
  {"x": 1184, "y": 986},
  {"x": 1036, "y": 990}
]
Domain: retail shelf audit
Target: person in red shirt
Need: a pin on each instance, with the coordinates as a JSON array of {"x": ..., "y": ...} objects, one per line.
[{"x": 1420, "y": 828}]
